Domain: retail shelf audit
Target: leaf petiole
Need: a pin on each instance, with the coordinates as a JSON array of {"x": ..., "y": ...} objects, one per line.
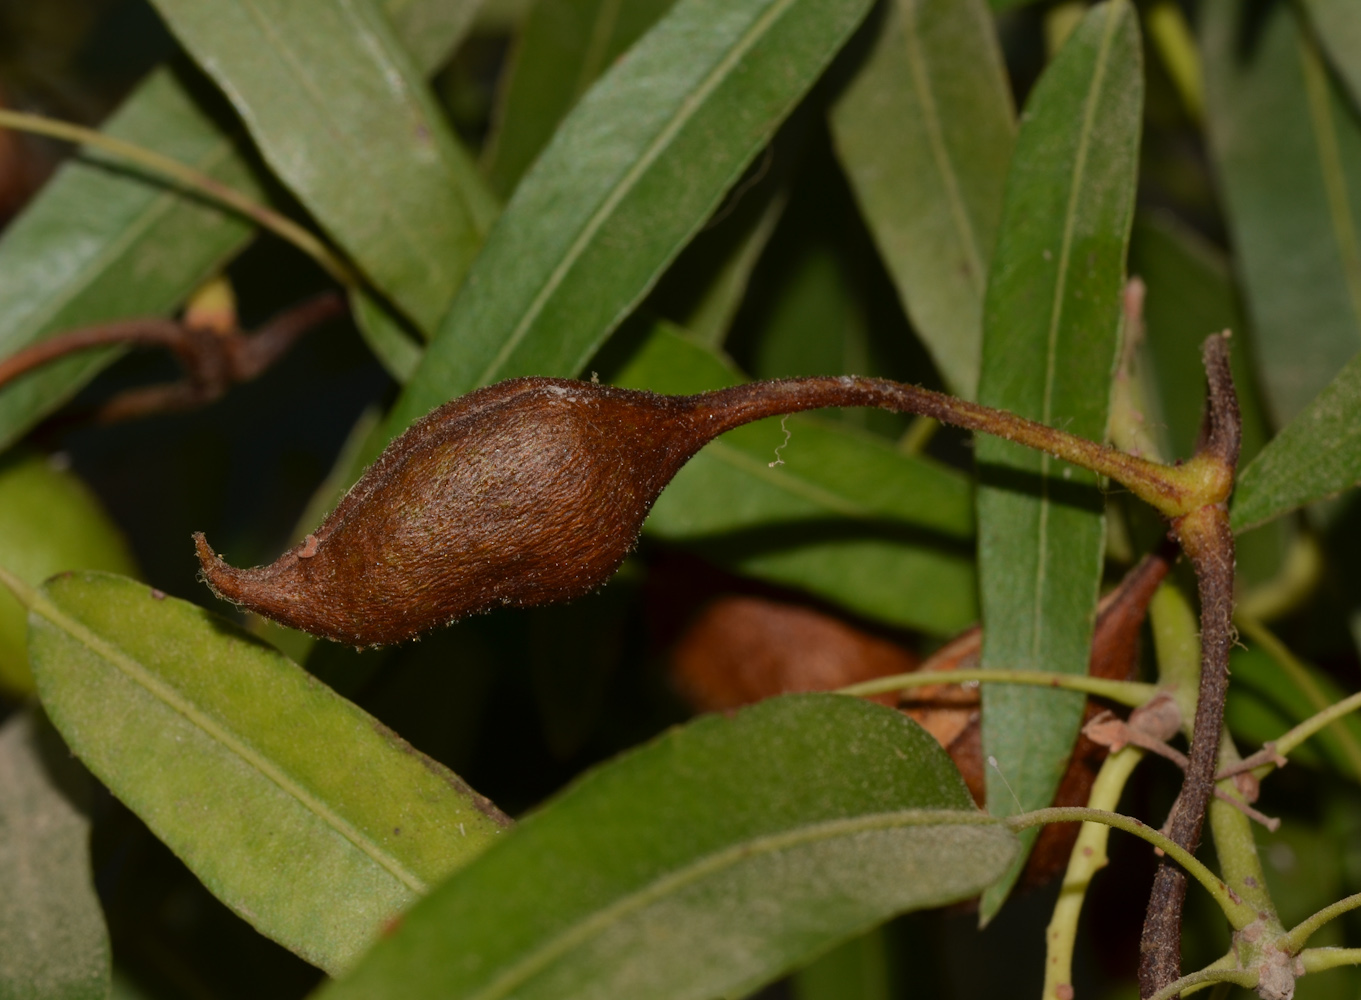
[
  {"x": 1132, "y": 693},
  {"x": 1239, "y": 914},
  {"x": 189, "y": 178}
]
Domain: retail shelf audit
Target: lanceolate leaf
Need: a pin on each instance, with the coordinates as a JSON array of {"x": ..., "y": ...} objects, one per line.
[
  {"x": 1337, "y": 26},
  {"x": 627, "y": 179},
  {"x": 924, "y": 132},
  {"x": 99, "y": 244},
  {"x": 298, "y": 810},
  {"x": 1291, "y": 194},
  {"x": 1050, "y": 334},
  {"x": 52, "y": 933},
  {"x": 843, "y": 515},
  {"x": 672, "y": 873},
  {"x": 340, "y": 113},
  {"x": 561, "y": 48},
  {"x": 1317, "y": 455}
]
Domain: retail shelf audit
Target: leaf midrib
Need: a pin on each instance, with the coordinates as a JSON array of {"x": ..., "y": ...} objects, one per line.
[
  {"x": 166, "y": 693},
  {"x": 1056, "y": 316},
  {"x": 684, "y": 112},
  {"x": 600, "y": 920}
]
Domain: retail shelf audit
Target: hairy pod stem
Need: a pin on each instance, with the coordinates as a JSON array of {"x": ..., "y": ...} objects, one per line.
[
  {"x": 1206, "y": 539},
  {"x": 533, "y": 490}
]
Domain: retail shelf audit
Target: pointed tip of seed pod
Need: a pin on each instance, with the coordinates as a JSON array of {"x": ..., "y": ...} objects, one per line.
[{"x": 223, "y": 580}]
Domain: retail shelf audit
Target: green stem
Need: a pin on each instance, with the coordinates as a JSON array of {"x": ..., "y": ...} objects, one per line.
[
  {"x": 1130, "y": 693},
  {"x": 1245, "y": 978},
  {"x": 1301, "y": 933},
  {"x": 186, "y": 177},
  {"x": 1321, "y": 959},
  {"x": 1086, "y": 859},
  {"x": 1238, "y": 914}
]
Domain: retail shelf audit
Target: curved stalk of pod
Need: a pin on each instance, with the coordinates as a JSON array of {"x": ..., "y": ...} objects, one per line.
[{"x": 533, "y": 490}]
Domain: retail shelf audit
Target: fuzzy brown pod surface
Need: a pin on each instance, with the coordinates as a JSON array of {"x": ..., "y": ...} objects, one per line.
[{"x": 527, "y": 492}]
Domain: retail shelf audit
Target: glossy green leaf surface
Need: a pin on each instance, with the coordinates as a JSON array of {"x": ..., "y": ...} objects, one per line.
[
  {"x": 339, "y": 111},
  {"x": 560, "y": 50},
  {"x": 1049, "y": 345},
  {"x": 301, "y": 812},
  {"x": 924, "y": 133},
  {"x": 628, "y": 178},
  {"x": 1316, "y": 455},
  {"x": 669, "y": 872},
  {"x": 52, "y": 933},
  {"x": 99, "y": 244},
  {"x": 1337, "y": 26},
  {"x": 843, "y": 515},
  {"x": 1291, "y": 193},
  {"x": 49, "y": 522}
]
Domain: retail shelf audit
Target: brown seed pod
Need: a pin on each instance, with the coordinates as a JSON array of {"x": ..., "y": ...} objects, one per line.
[
  {"x": 527, "y": 492},
  {"x": 532, "y": 491}
]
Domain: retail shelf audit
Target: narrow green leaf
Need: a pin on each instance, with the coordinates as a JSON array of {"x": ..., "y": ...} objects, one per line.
[
  {"x": 99, "y": 244},
  {"x": 337, "y": 107},
  {"x": 52, "y": 933},
  {"x": 1291, "y": 192},
  {"x": 1317, "y": 455},
  {"x": 396, "y": 350},
  {"x": 671, "y": 873},
  {"x": 560, "y": 50},
  {"x": 626, "y": 181},
  {"x": 843, "y": 515},
  {"x": 1051, "y": 324},
  {"x": 856, "y": 970},
  {"x": 924, "y": 132},
  {"x": 1337, "y": 26},
  {"x": 302, "y": 813},
  {"x": 49, "y": 522},
  {"x": 1265, "y": 701}
]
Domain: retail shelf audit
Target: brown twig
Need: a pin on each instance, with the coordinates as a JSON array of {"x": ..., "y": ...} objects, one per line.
[
  {"x": 1207, "y": 540},
  {"x": 213, "y": 361}
]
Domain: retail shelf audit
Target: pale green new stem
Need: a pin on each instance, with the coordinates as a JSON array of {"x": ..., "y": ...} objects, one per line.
[
  {"x": 187, "y": 177},
  {"x": 1306, "y": 928},
  {"x": 1238, "y": 914},
  {"x": 1087, "y": 858},
  {"x": 1245, "y": 978},
  {"x": 1129, "y": 693},
  {"x": 1319, "y": 959},
  {"x": 1176, "y": 637}
]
